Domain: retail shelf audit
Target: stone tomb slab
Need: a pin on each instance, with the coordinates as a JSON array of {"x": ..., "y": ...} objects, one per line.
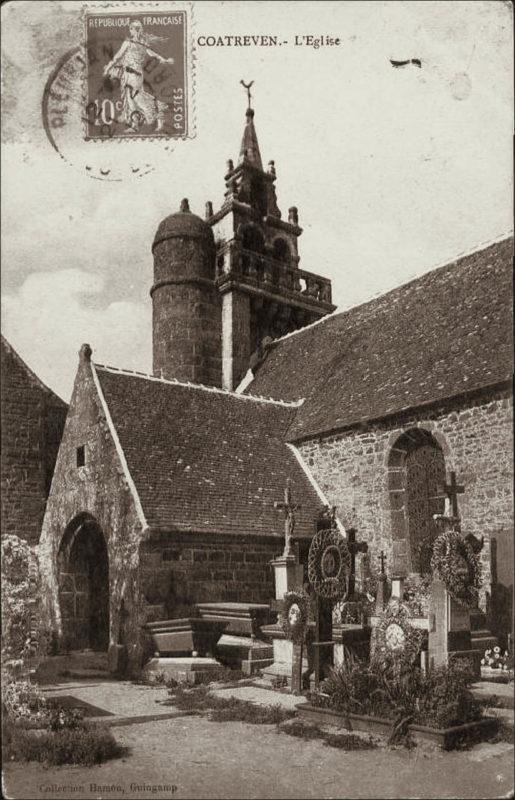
[
  {"x": 240, "y": 619},
  {"x": 183, "y": 669},
  {"x": 182, "y": 637},
  {"x": 244, "y": 652}
]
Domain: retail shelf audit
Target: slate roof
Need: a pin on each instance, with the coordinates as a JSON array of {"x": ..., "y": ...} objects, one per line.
[
  {"x": 205, "y": 460},
  {"x": 8, "y": 352},
  {"x": 443, "y": 334}
]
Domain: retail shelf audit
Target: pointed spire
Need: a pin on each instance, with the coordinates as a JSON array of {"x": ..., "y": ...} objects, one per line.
[{"x": 249, "y": 150}]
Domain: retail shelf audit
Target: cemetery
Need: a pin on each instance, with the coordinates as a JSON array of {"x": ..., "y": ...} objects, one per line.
[{"x": 388, "y": 678}]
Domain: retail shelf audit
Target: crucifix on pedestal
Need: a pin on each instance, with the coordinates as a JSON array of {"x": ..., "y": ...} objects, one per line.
[{"x": 289, "y": 518}]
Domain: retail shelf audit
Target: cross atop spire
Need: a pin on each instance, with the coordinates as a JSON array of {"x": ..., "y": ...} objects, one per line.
[{"x": 247, "y": 87}]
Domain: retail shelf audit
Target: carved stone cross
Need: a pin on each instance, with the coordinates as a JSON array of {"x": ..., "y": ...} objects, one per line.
[
  {"x": 289, "y": 517},
  {"x": 354, "y": 548},
  {"x": 452, "y": 491},
  {"x": 382, "y": 559}
]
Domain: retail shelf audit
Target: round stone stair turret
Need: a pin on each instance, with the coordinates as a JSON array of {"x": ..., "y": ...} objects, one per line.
[{"x": 185, "y": 303}]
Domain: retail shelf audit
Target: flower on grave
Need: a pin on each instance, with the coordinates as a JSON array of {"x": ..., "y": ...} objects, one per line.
[
  {"x": 497, "y": 649},
  {"x": 483, "y": 662}
]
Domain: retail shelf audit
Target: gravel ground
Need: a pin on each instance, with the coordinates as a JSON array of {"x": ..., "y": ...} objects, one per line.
[{"x": 194, "y": 758}]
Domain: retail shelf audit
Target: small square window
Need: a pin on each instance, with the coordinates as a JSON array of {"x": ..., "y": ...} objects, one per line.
[{"x": 81, "y": 456}]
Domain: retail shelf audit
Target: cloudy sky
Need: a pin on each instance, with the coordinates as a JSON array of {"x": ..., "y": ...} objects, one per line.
[{"x": 394, "y": 171}]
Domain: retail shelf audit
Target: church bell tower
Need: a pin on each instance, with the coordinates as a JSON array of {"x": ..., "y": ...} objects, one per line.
[
  {"x": 263, "y": 291},
  {"x": 224, "y": 284}
]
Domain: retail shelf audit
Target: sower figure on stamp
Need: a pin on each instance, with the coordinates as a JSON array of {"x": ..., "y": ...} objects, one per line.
[{"x": 139, "y": 106}]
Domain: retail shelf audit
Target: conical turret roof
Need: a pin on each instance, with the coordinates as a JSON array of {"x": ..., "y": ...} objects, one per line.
[{"x": 249, "y": 150}]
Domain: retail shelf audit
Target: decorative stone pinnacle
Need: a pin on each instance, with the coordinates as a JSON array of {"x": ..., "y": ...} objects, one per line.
[
  {"x": 209, "y": 209},
  {"x": 271, "y": 168},
  {"x": 230, "y": 165},
  {"x": 85, "y": 353},
  {"x": 185, "y": 206},
  {"x": 293, "y": 215}
]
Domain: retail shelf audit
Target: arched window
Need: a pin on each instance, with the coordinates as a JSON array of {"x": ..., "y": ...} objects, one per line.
[
  {"x": 416, "y": 473},
  {"x": 258, "y": 195},
  {"x": 281, "y": 250},
  {"x": 252, "y": 239}
]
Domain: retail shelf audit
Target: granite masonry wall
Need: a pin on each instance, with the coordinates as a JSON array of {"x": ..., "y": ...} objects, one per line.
[
  {"x": 354, "y": 469},
  {"x": 32, "y": 419},
  {"x": 179, "y": 570}
]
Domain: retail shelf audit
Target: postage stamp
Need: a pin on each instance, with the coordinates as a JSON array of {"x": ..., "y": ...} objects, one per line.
[{"x": 136, "y": 74}]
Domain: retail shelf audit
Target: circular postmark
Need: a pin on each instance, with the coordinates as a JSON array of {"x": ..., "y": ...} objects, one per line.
[
  {"x": 68, "y": 113},
  {"x": 65, "y": 113}
]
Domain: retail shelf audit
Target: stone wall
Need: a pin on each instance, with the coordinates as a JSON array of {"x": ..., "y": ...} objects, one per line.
[
  {"x": 97, "y": 491},
  {"x": 32, "y": 420},
  {"x": 179, "y": 570},
  {"x": 354, "y": 470}
]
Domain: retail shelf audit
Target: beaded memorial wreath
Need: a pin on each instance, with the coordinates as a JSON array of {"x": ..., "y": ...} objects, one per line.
[
  {"x": 294, "y": 616},
  {"x": 456, "y": 564},
  {"x": 395, "y": 641},
  {"x": 329, "y": 564}
]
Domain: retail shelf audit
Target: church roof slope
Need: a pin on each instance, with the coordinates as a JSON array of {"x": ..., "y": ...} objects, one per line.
[
  {"x": 439, "y": 336},
  {"x": 205, "y": 460},
  {"x": 9, "y": 353}
]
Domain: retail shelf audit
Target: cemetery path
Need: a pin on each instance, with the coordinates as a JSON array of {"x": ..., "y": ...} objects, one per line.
[{"x": 190, "y": 757}]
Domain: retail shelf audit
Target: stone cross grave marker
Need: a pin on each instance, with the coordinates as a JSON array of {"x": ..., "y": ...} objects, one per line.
[
  {"x": 451, "y": 490},
  {"x": 381, "y": 585},
  {"x": 355, "y": 547},
  {"x": 289, "y": 509},
  {"x": 324, "y": 642}
]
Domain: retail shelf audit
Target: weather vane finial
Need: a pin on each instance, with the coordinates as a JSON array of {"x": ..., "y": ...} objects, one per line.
[{"x": 247, "y": 87}]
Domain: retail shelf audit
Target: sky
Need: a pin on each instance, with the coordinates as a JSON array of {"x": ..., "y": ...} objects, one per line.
[{"x": 394, "y": 170}]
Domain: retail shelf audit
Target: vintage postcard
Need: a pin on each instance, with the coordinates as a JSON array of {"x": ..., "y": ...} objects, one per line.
[{"x": 256, "y": 400}]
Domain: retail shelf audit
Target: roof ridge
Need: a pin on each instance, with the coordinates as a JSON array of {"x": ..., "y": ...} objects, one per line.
[
  {"x": 201, "y": 386},
  {"x": 447, "y": 262}
]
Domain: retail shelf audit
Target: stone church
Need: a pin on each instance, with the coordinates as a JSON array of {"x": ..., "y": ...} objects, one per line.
[{"x": 164, "y": 487}]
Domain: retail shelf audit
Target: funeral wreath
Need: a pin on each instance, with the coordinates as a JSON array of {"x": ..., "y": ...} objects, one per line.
[
  {"x": 395, "y": 640},
  {"x": 456, "y": 564},
  {"x": 294, "y": 616},
  {"x": 329, "y": 564}
]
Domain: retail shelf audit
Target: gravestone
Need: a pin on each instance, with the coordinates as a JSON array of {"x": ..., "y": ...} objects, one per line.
[
  {"x": 449, "y": 630},
  {"x": 331, "y": 571},
  {"x": 288, "y": 574},
  {"x": 381, "y": 596},
  {"x": 450, "y": 618}
]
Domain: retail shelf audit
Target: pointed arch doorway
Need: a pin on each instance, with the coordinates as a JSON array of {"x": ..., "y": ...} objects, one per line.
[{"x": 83, "y": 567}]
